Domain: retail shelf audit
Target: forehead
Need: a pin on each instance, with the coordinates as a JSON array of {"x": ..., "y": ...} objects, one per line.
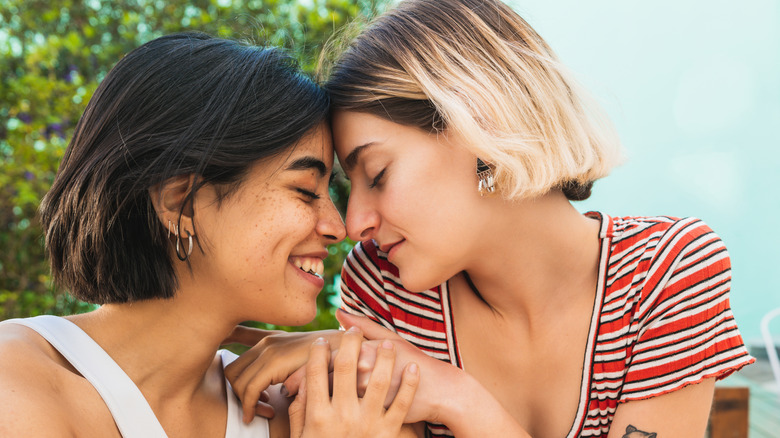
[
  {"x": 315, "y": 147},
  {"x": 352, "y": 130},
  {"x": 312, "y": 152},
  {"x": 318, "y": 144}
]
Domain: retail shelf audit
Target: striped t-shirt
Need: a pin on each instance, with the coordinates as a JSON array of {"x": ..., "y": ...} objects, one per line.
[{"x": 661, "y": 317}]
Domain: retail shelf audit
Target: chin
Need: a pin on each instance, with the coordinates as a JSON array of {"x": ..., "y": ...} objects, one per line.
[
  {"x": 295, "y": 318},
  {"x": 417, "y": 281},
  {"x": 304, "y": 318}
]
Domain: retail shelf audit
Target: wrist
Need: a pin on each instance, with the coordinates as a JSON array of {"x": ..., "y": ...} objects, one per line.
[
  {"x": 470, "y": 410},
  {"x": 454, "y": 405}
]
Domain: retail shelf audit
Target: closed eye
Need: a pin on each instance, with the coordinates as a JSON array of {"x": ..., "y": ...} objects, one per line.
[
  {"x": 377, "y": 179},
  {"x": 311, "y": 195}
]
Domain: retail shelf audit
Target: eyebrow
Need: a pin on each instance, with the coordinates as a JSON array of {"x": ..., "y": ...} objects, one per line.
[
  {"x": 308, "y": 163},
  {"x": 352, "y": 159}
]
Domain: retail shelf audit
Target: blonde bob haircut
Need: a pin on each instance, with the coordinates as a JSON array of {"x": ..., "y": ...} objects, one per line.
[{"x": 476, "y": 68}]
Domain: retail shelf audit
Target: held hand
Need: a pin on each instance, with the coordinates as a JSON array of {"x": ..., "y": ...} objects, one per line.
[
  {"x": 275, "y": 357},
  {"x": 315, "y": 414},
  {"x": 440, "y": 380},
  {"x": 446, "y": 394}
]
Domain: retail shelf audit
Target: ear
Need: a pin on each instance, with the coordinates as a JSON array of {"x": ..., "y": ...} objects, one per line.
[
  {"x": 630, "y": 429},
  {"x": 652, "y": 435},
  {"x": 169, "y": 199}
]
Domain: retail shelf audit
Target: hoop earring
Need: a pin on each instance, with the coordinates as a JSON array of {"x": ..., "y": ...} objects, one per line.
[
  {"x": 486, "y": 177},
  {"x": 189, "y": 249}
]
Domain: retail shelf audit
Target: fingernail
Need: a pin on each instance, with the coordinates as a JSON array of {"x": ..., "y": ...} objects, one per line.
[
  {"x": 283, "y": 390},
  {"x": 413, "y": 368},
  {"x": 387, "y": 345},
  {"x": 321, "y": 341},
  {"x": 353, "y": 329}
]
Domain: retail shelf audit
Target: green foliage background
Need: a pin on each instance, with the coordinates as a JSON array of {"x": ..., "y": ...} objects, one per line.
[{"x": 53, "y": 53}]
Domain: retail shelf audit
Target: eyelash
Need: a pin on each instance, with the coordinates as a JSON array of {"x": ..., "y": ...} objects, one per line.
[
  {"x": 377, "y": 179},
  {"x": 313, "y": 196}
]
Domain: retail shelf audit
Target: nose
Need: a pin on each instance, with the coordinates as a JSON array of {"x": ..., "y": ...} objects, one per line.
[
  {"x": 330, "y": 224},
  {"x": 362, "y": 218}
]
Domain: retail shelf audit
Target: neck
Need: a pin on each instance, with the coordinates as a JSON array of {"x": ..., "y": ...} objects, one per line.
[
  {"x": 165, "y": 346},
  {"x": 535, "y": 256}
]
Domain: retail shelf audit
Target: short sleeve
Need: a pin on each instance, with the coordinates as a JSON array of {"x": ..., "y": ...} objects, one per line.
[
  {"x": 362, "y": 285},
  {"x": 687, "y": 330}
]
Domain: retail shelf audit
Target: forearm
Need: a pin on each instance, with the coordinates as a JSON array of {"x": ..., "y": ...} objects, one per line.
[{"x": 470, "y": 410}]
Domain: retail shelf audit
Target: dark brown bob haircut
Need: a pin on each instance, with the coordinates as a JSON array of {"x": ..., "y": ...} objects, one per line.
[{"x": 182, "y": 104}]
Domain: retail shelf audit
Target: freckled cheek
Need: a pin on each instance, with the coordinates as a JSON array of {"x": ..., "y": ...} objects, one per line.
[{"x": 303, "y": 220}]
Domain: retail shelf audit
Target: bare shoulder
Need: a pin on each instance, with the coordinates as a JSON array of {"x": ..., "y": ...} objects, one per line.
[{"x": 30, "y": 385}]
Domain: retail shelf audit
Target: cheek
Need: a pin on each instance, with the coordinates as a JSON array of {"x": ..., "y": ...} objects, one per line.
[{"x": 423, "y": 203}]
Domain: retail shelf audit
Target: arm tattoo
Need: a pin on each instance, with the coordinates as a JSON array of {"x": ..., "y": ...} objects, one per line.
[{"x": 633, "y": 432}]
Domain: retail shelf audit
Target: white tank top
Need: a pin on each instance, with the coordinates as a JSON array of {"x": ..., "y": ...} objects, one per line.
[{"x": 132, "y": 414}]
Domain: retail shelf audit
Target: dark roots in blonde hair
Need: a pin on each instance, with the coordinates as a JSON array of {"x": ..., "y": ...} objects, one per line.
[{"x": 477, "y": 67}]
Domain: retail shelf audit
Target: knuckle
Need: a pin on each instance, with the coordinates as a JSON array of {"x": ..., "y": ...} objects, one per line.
[
  {"x": 343, "y": 364},
  {"x": 378, "y": 384},
  {"x": 318, "y": 417},
  {"x": 295, "y": 408},
  {"x": 257, "y": 384},
  {"x": 315, "y": 371},
  {"x": 379, "y": 380},
  {"x": 402, "y": 403},
  {"x": 364, "y": 366}
]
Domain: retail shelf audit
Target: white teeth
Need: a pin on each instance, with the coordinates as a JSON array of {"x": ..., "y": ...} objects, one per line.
[
  {"x": 319, "y": 268},
  {"x": 311, "y": 265}
]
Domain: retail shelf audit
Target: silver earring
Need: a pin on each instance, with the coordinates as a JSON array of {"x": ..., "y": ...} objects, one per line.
[
  {"x": 189, "y": 249},
  {"x": 169, "y": 229},
  {"x": 486, "y": 177}
]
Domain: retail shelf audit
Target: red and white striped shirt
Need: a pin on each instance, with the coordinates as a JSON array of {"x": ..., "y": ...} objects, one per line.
[{"x": 661, "y": 318}]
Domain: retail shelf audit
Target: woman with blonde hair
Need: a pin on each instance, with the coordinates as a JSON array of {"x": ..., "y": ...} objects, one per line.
[{"x": 465, "y": 141}]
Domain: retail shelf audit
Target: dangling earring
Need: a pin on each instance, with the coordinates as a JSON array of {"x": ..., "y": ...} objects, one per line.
[
  {"x": 189, "y": 249},
  {"x": 486, "y": 177},
  {"x": 169, "y": 229}
]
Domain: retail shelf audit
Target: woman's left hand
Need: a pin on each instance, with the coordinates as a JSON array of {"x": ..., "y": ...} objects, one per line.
[
  {"x": 314, "y": 413},
  {"x": 274, "y": 358}
]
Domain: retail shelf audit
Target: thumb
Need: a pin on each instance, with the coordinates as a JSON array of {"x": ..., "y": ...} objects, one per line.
[
  {"x": 297, "y": 412},
  {"x": 370, "y": 329},
  {"x": 293, "y": 383}
]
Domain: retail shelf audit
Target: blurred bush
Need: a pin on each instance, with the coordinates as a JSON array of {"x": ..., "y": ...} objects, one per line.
[{"x": 53, "y": 53}]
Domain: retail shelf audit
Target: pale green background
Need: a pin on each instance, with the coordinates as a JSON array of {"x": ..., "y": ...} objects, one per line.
[{"x": 693, "y": 88}]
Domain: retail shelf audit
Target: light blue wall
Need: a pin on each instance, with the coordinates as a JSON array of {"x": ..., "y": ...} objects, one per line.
[{"x": 693, "y": 88}]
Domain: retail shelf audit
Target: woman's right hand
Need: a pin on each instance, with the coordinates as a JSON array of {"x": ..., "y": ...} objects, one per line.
[
  {"x": 273, "y": 358},
  {"x": 314, "y": 413}
]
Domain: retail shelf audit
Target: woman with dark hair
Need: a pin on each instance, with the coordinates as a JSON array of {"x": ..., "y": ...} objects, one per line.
[
  {"x": 466, "y": 142},
  {"x": 193, "y": 196}
]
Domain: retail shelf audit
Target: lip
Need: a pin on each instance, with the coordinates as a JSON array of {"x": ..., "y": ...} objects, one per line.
[
  {"x": 388, "y": 246},
  {"x": 391, "y": 249},
  {"x": 318, "y": 254}
]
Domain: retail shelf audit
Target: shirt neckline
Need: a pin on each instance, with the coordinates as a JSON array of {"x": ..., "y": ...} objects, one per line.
[{"x": 587, "y": 368}]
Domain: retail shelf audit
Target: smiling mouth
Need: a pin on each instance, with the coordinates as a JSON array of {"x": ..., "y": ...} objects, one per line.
[
  {"x": 309, "y": 265},
  {"x": 387, "y": 247}
]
